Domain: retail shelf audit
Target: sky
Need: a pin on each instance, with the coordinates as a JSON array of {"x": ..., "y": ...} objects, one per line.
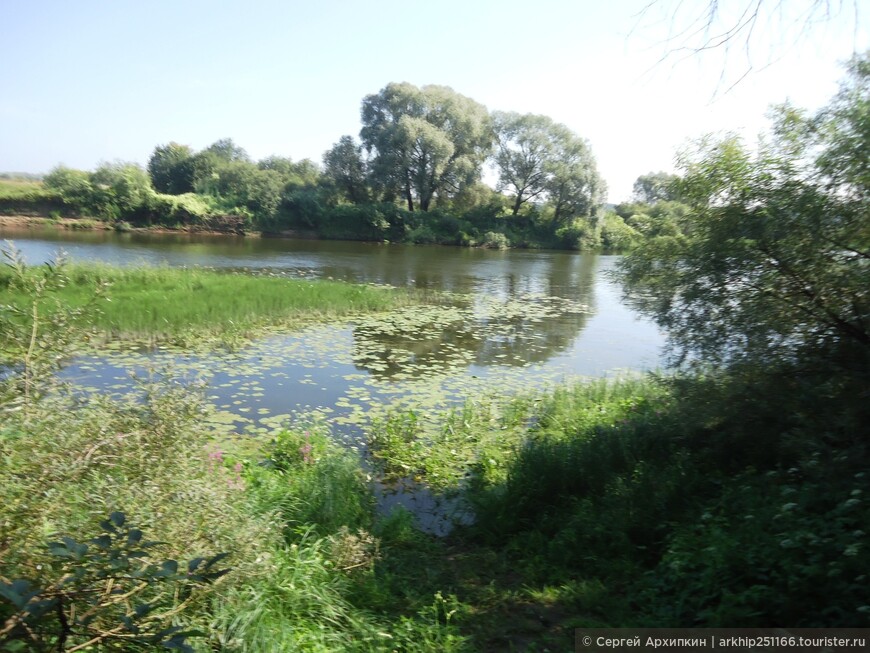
[{"x": 103, "y": 80}]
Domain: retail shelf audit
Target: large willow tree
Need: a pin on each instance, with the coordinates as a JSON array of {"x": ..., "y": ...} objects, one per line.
[
  {"x": 424, "y": 142},
  {"x": 539, "y": 159}
]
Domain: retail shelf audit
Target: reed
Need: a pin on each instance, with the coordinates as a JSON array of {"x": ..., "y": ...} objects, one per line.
[{"x": 166, "y": 302}]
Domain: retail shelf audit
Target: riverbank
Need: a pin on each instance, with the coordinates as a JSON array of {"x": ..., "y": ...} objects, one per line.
[
  {"x": 93, "y": 224},
  {"x": 440, "y": 233},
  {"x": 634, "y": 504}
]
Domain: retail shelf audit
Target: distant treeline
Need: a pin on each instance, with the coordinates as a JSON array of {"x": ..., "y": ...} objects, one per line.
[{"x": 415, "y": 175}]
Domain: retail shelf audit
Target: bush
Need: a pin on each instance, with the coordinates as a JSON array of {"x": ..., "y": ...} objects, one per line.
[
  {"x": 423, "y": 235},
  {"x": 187, "y": 209},
  {"x": 68, "y": 458},
  {"x": 788, "y": 546},
  {"x": 83, "y": 597},
  {"x": 616, "y": 235},
  {"x": 495, "y": 240},
  {"x": 581, "y": 234}
]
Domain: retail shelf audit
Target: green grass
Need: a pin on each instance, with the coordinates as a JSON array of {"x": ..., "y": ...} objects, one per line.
[
  {"x": 309, "y": 596},
  {"x": 696, "y": 501},
  {"x": 14, "y": 189},
  {"x": 186, "y": 304}
]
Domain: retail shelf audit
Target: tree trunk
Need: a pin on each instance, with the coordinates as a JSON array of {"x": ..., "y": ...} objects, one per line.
[
  {"x": 408, "y": 194},
  {"x": 518, "y": 202}
]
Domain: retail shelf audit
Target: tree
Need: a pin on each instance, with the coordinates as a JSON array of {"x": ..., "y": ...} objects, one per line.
[
  {"x": 226, "y": 150},
  {"x": 293, "y": 173},
  {"x": 121, "y": 188},
  {"x": 654, "y": 187},
  {"x": 209, "y": 161},
  {"x": 243, "y": 184},
  {"x": 344, "y": 167},
  {"x": 718, "y": 27},
  {"x": 573, "y": 186},
  {"x": 776, "y": 269},
  {"x": 425, "y": 142},
  {"x": 538, "y": 158},
  {"x": 74, "y": 186},
  {"x": 171, "y": 168},
  {"x": 662, "y": 218},
  {"x": 524, "y": 148}
]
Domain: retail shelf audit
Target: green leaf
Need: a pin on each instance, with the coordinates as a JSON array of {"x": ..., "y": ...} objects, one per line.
[
  {"x": 142, "y": 609},
  {"x": 215, "y": 559},
  {"x": 177, "y": 642},
  {"x": 168, "y": 568},
  {"x": 59, "y": 550},
  {"x": 39, "y": 608},
  {"x": 194, "y": 564},
  {"x": 118, "y": 518},
  {"x": 134, "y": 536},
  {"x": 129, "y": 625},
  {"x": 103, "y": 541},
  {"x": 18, "y": 592}
]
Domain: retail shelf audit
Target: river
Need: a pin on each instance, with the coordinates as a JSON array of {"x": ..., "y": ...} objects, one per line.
[{"x": 522, "y": 320}]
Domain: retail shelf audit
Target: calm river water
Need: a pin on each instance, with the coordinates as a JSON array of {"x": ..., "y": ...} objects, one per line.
[{"x": 522, "y": 320}]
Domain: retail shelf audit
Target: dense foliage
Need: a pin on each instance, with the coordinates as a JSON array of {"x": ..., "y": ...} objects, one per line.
[
  {"x": 296, "y": 519},
  {"x": 416, "y": 176},
  {"x": 771, "y": 267},
  {"x": 734, "y": 494}
]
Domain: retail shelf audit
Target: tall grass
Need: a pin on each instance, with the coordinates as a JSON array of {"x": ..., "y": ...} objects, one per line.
[
  {"x": 316, "y": 494},
  {"x": 173, "y": 302}
]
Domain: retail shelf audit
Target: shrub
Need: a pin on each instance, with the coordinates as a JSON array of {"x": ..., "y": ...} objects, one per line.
[
  {"x": 102, "y": 592},
  {"x": 616, "y": 235},
  {"x": 495, "y": 240},
  {"x": 67, "y": 458}
]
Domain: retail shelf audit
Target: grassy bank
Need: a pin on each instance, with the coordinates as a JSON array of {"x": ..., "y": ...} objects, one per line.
[
  {"x": 190, "y": 304},
  {"x": 679, "y": 502},
  {"x": 719, "y": 501}
]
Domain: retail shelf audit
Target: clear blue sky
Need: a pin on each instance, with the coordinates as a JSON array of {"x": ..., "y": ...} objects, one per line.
[{"x": 91, "y": 80}]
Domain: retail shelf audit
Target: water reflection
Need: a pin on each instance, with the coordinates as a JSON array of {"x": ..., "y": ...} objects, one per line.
[{"x": 519, "y": 317}]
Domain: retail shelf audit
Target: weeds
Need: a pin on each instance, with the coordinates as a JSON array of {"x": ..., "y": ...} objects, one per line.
[{"x": 186, "y": 305}]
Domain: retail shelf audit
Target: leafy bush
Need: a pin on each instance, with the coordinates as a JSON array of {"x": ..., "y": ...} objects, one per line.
[
  {"x": 616, "y": 235},
  {"x": 187, "y": 209},
  {"x": 494, "y": 240},
  {"x": 66, "y": 458},
  {"x": 103, "y": 592},
  {"x": 581, "y": 234},
  {"x": 787, "y": 546},
  {"x": 423, "y": 235}
]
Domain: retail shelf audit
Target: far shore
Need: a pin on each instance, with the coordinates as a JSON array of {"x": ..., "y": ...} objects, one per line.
[{"x": 95, "y": 224}]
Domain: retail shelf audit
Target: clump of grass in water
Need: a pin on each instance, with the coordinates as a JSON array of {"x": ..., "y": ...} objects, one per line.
[
  {"x": 479, "y": 435},
  {"x": 191, "y": 304}
]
